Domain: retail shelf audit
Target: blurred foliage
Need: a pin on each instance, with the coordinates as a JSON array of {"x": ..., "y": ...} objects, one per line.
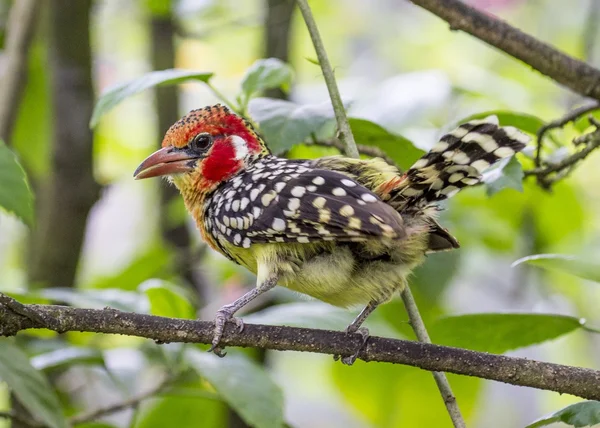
[
  {"x": 584, "y": 414},
  {"x": 578, "y": 266},
  {"x": 469, "y": 298},
  {"x": 15, "y": 194}
]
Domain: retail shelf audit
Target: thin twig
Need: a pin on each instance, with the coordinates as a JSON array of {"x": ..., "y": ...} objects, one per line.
[
  {"x": 578, "y": 381},
  {"x": 347, "y": 138},
  {"x": 576, "y": 75},
  {"x": 440, "y": 378},
  {"x": 371, "y": 151},
  {"x": 559, "y": 123},
  {"x": 131, "y": 402},
  {"x": 21, "y": 419},
  {"x": 21, "y": 26},
  {"x": 344, "y": 131},
  {"x": 562, "y": 168}
]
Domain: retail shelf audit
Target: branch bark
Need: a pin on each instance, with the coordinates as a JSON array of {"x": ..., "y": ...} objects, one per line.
[
  {"x": 21, "y": 27},
  {"x": 576, "y": 75},
  {"x": 583, "y": 382}
]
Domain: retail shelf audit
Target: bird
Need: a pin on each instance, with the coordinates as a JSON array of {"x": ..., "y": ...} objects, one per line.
[{"x": 345, "y": 231}]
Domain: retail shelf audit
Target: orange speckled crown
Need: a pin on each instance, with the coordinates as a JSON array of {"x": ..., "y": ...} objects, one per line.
[{"x": 216, "y": 120}]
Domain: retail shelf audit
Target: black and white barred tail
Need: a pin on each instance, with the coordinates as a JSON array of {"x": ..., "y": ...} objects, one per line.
[{"x": 458, "y": 160}]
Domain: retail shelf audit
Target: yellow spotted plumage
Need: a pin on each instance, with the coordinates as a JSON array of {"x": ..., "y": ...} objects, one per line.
[{"x": 345, "y": 231}]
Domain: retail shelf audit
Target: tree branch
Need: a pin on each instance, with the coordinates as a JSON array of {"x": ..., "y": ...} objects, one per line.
[
  {"x": 23, "y": 420},
  {"x": 372, "y": 151},
  {"x": 578, "y": 381},
  {"x": 131, "y": 402},
  {"x": 576, "y": 75}
]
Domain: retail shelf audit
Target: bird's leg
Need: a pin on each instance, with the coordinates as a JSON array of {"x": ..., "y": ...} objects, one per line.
[
  {"x": 226, "y": 312},
  {"x": 355, "y": 327}
]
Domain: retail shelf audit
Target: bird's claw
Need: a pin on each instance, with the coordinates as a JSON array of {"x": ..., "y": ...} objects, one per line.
[
  {"x": 223, "y": 315},
  {"x": 364, "y": 333}
]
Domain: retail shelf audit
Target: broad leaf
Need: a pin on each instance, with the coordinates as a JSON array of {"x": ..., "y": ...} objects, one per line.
[
  {"x": 499, "y": 333},
  {"x": 317, "y": 315},
  {"x": 389, "y": 395},
  {"x": 29, "y": 385},
  {"x": 157, "y": 262},
  {"x": 245, "y": 386},
  {"x": 167, "y": 300},
  {"x": 586, "y": 269},
  {"x": 97, "y": 299},
  {"x": 522, "y": 121},
  {"x": 284, "y": 124},
  {"x": 400, "y": 149},
  {"x": 183, "y": 409},
  {"x": 115, "y": 95},
  {"x": 584, "y": 414},
  {"x": 508, "y": 173},
  {"x": 266, "y": 74},
  {"x": 15, "y": 194},
  {"x": 66, "y": 357}
]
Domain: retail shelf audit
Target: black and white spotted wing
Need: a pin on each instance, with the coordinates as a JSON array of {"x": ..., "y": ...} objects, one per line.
[
  {"x": 279, "y": 200},
  {"x": 458, "y": 160}
]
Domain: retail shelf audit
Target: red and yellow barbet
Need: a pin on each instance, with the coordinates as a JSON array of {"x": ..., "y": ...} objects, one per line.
[{"x": 345, "y": 231}]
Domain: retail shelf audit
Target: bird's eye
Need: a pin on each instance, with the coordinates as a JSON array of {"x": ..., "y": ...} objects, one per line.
[{"x": 201, "y": 142}]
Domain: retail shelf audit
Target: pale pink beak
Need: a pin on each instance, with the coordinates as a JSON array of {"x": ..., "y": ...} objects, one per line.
[{"x": 165, "y": 161}]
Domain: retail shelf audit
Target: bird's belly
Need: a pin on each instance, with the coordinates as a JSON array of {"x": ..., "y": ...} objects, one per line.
[{"x": 344, "y": 278}]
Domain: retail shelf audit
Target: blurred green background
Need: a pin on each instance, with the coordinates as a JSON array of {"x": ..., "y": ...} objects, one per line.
[{"x": 99, "y": 238}]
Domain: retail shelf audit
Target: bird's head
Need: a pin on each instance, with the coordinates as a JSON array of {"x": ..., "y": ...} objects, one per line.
[{"x": 204, "y": 148}]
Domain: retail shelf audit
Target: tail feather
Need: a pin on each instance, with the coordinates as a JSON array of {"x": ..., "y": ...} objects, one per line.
[{"x": 457, "y": 161}]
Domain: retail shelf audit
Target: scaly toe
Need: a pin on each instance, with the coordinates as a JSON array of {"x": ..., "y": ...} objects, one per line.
[
  {"x": 239, "y": 323},
  {"x": 218, "y": 351},
  {"x": 364, "y": 333}
]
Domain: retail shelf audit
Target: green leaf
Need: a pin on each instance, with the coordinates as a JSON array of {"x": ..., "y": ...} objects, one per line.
[
  {"x": 387, "y": 395},
  {"x": 97, "y": 299},
  {"x": 15, "y": 194},
  {"x": 586, "y": 269},
  {"x": 114, "y": 96},
  {"x": 66, "y": 357},
  {"x": 29, "y": 385},
  {"x": 507, "y": 174},
  {"x": 284, "y": 124},
  {"x": 316, "y": 315},
  {"x": 167, "y": 300},
  {"x": 183, "y": 411},
  {"x": 157, "y": 262},
  {"x": 266, "y": 74},
  {"x": 433, "y": 277},
  {"x": 400, "y": 149},
  {"x": 499, "y": 333},
  {"x": 584, "y": 414},
  {"x": 245, "y": 386},
  {"x": 522, "y": 121}
]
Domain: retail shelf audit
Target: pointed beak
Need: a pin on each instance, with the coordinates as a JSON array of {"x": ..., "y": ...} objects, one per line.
[{"x": 165, "y": 161}]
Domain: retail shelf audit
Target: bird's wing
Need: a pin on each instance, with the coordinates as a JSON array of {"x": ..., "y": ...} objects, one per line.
[{"x": 322, "y": 205}]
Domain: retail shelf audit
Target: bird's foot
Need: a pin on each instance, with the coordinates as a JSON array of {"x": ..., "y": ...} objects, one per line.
[
  {"x": 223, "y": 315},
  {"x": 364, "y": 333}
]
